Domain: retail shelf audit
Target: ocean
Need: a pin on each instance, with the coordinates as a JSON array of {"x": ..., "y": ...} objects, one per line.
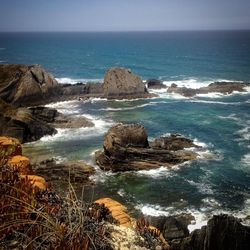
[{"x": 219, "y": 181}]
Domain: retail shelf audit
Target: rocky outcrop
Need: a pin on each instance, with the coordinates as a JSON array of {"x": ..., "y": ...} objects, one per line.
[
  {"x": 26, "y": 85},
  {"x": 218, "y": 87},
  {"x": 30, "y": 124},
  {"x": 122, "y": 83},
  {"x": 223, "y": 232},
  {"x": 155, "y": 84},
  {"x": 126, "y": 148},
  {"x": 21, "y": 124},
  {"x": 59, "y": 120}
]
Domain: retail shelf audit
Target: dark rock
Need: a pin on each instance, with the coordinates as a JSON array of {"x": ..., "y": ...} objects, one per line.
[
  {"x": 223, "y": 232},
  {"x": 218, "y": 87},
  {"x": 26, "y": 85},
  {"x": 122, "y": 83},
  {"x": 155, "y": 84},
  {"x": 126, "y": 148},
  {"x": 172, "y": 227},
  {"x": 21, "y": 124}
]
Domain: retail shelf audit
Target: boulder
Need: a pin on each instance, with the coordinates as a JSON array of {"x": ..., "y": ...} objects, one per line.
[
  {"x": 21, "y": 163},
  {"x": 121, "y": 82},
  {"x": 126, "y": 148},
  {"x": 155, "y": 84},
  {"x": 26, "y": 85},
  {"x": 9, "y": 147}
]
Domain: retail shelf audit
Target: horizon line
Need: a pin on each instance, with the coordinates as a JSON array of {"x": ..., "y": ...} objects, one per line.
[{"x": 120, "y": 31}]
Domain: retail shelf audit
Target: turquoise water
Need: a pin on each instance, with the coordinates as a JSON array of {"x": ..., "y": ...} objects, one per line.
[{"x": 220, "y": 180}]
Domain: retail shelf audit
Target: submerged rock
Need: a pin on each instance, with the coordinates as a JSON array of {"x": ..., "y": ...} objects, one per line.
[
  {"x": 126, "y": 147},
  {"x": 122, "y": 83}
]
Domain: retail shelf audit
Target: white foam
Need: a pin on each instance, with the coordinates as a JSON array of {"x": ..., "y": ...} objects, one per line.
[
  {"x": 188, "y": 83},
  {"x": 67, "y": 80},
  {"x": 128, "y": 108},
  {"x": 158, "y": 172}
]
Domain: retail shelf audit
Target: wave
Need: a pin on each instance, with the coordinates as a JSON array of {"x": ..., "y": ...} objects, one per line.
[
  {"x": 67, "y": 80},
  {"x": 159, "y": 172}
]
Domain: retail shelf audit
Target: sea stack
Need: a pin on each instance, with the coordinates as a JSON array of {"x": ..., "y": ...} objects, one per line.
[{"x": 121, "y": 82}]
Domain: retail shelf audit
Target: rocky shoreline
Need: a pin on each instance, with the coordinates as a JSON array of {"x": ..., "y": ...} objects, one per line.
[{"x": 23, "y": 91}]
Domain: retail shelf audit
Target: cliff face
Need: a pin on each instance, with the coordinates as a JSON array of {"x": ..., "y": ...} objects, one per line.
[{"x": 26, "y": 85}]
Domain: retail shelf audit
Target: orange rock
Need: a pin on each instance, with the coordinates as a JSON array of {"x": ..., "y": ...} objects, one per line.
[
  {"x": 9, "y": 147},
  {"x": 118, "y": 211},
  {"x": 21, "y": 163},
  {"x": 37, "y": 181}
]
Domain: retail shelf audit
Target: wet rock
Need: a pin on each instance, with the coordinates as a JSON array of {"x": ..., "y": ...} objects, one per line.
[
  {"x": 126, "y": 148},
  {"x": 155, "y": 84}
]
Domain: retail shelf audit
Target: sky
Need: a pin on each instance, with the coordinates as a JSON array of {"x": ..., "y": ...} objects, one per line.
[{"x": 123, "y": 15}]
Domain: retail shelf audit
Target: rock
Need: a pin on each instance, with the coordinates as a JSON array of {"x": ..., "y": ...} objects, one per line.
[
  {"x": 155, "y": 84},
  {"x": 21, "y": 124},
  {"x": 9, "y": 147},
  {"x": 126, "y": 148},
  {"x": 37, "y": 181},
  {"x": 121, "y": 82},
  {"x": 218, "y": 87},
  {"x": 187, "y": 92},
  {"x": 172, "y": 227},
  {"x": 21, "y": 163},
  {"x": 118, "y": 211},
  {"x": 26, "y": 85},
  {"x": 223, "y": 232},
  {"x": 77, "y": 172},
  {"x": 45, "y": 114},
  {"x": 173, "y": 142}
]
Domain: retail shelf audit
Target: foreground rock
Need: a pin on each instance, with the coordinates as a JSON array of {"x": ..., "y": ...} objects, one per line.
[
  {"x": 30, "y": 124},
  {"x": 126, "y": 147},
  {"x": 21, "y": 124},
  {"x": 223, "y": 232},
  {"x": 59, "y": 120},
  {"x": 122, "y": 83},
  {"x": 224, "y": 88},
  {"x": 26, "y": 85}
]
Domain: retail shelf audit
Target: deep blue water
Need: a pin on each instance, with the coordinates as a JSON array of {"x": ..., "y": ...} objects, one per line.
[{"x": 220, "y": 180}]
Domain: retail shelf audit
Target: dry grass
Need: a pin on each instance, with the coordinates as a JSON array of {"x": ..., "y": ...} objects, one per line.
[{"x": 34, "y": 219}]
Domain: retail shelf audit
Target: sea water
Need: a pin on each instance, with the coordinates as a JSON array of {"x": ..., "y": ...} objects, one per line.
[{"x": 219, "y": 181}]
